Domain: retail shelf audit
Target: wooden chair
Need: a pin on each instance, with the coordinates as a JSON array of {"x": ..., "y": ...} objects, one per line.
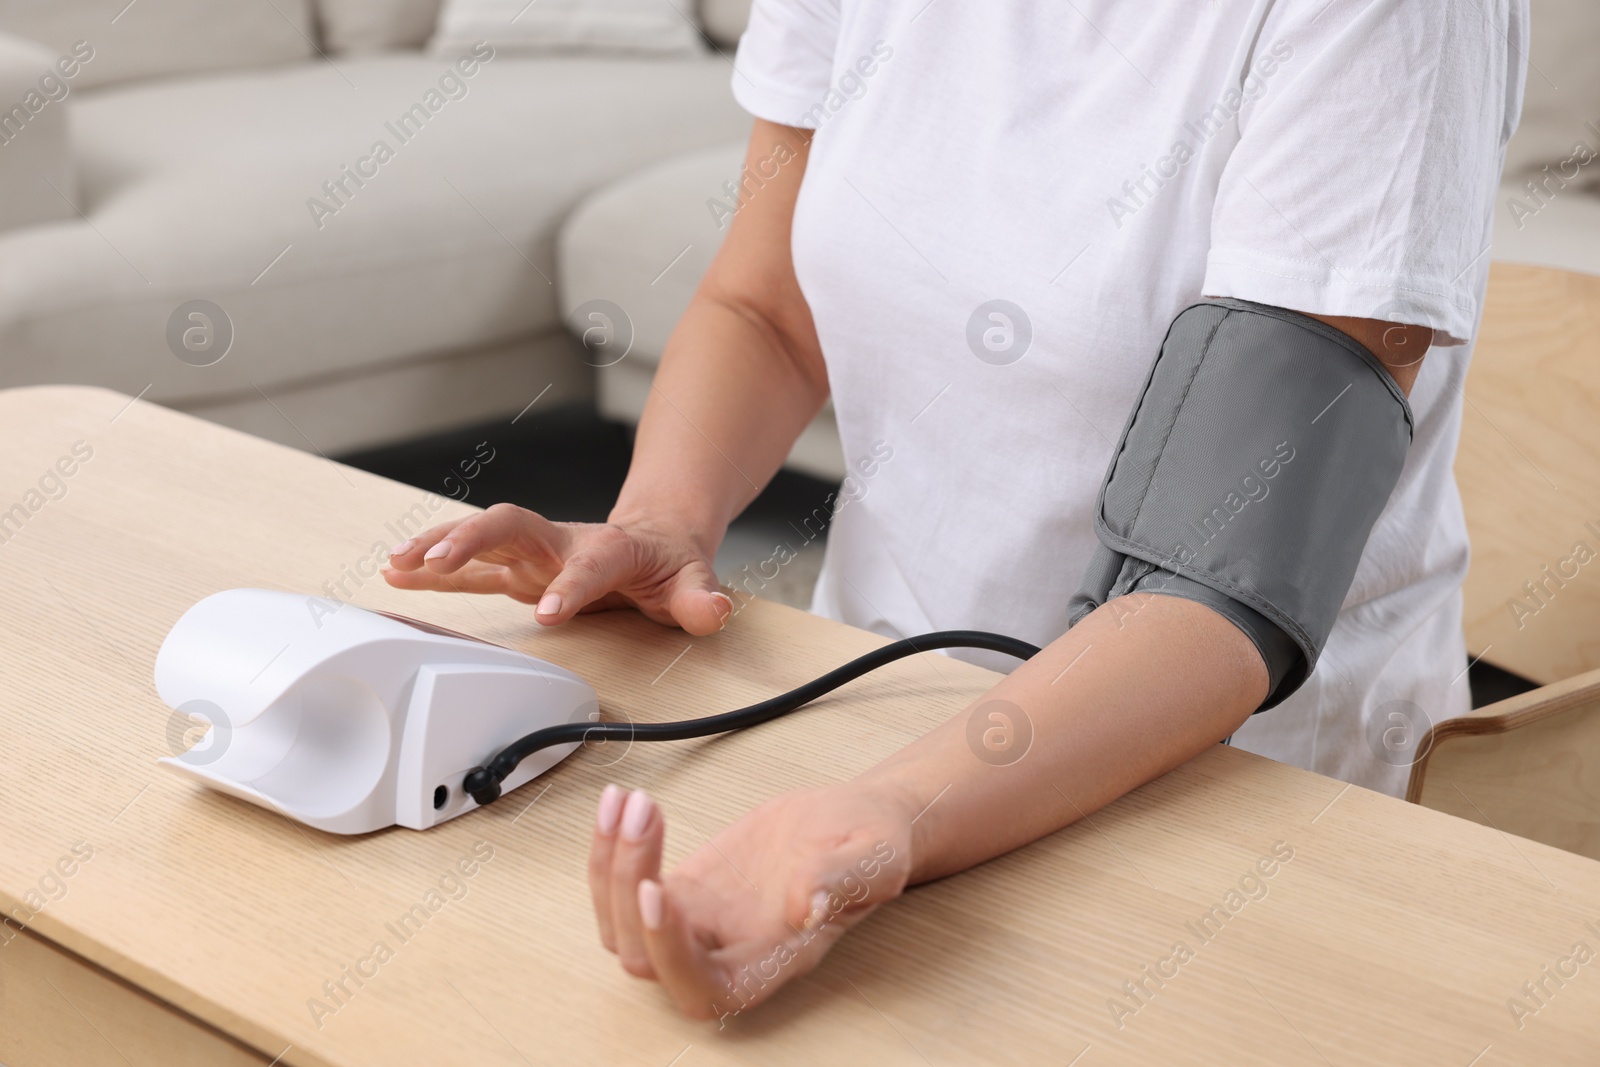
[
  {"x": 1528, "y": 765},
  {"x": 1529, "y": 472}
]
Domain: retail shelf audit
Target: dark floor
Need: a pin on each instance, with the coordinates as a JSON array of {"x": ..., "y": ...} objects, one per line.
[
  {"x": 1489, "y": 684},
  {"x": 568, "y": 464},
  {"x": 565, "y": 464}
]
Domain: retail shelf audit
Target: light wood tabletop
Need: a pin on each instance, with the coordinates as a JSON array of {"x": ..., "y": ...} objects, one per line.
[{"x": 153, "y": 922}]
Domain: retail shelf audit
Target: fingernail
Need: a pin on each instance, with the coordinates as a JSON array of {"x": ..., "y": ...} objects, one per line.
[
  {"x": 610, "y": 808},
  {"x": 402, "y": 548},
  {"x": 818, "y": 916},
  {"x": 650, "y": 904},
  {"x": 726, "y": 615},
  {"x": 438, "y": 551},
  {"x": 636, "y": 814},
  {"x": 549, "y": 604}
]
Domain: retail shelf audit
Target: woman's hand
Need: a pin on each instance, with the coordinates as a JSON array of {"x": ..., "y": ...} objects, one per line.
[
  {"x": 755, "y": 907},
  {"x": 567, "y": 567}
]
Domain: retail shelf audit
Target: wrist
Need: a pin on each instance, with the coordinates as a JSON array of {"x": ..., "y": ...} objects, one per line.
[
  {"x": 671, "y": 520},
  {"x": 904, "y": 788}
]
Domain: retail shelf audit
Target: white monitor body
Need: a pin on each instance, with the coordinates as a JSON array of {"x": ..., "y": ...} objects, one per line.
[{"x": 351, "y": 720}]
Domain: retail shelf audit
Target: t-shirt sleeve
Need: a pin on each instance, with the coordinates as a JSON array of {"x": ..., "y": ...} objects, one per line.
[
  {"x": 784, "y": 64},
  {"x": 1372, "y": 134}
]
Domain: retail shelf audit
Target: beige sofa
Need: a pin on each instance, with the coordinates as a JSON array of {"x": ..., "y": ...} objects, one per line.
[
  {"x": 616, "y": 244},
  {"x": 1549, "y": 208},
  {"x": 178, "y": 160},
  {"x": 177, "y": 163}
]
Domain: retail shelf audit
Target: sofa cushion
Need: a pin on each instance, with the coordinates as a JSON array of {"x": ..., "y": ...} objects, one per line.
[
  {"x": 215, "y": 189},
  {"x": 657, "y": 27},
  {"x": 724, "y": 20},
  {"x": 354, "y": 26},
  {"x": 148, "y": 38},
  {"x": 35, "y": 161},
  {"x": 644, "y": 242},
  {"x": 1562, "y": 94}
]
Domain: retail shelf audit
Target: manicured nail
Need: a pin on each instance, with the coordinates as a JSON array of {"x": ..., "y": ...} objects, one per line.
[
  {"x": 611, "y": 798},
  {"x": 636, "y": 814},
  {"x": 650, "y": 904},
  {"x": 817, "y": 917},
  {"x": 402, "y": 548},
  {"x": 728, "y": 614},
  {"x": 438, "y": 551},
  {"x": 549, "y": 604}
]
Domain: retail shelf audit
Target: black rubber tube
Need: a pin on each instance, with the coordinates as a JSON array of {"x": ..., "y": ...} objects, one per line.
[{"x": 483, "y": 783}]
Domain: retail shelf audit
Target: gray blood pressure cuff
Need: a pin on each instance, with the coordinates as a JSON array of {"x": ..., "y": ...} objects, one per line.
[{"x": 1248, "y": 478}]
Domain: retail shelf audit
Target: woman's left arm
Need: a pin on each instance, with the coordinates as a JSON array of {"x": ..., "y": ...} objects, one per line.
[
  {"x": 1141, "y": 685},
  {"x": 1138, "y": 687}
]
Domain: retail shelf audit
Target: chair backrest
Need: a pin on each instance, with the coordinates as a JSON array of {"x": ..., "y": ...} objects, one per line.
[
  {"x": 1529, "y": 472},
  {"x": 1528, "y": 765}
]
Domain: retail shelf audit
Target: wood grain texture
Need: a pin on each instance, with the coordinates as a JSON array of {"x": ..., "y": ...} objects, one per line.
[
  {"x": 1528, "y": 765},
  {"x": 1394, "y": 934},
  {"x": 1529, "y": 472},
  {"x": 62, "y": 1011}
]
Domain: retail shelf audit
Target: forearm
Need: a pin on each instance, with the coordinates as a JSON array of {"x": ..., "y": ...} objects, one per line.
[
  {"x": 1146, "y": 681},
  {"x": 726, "y": 406},
  {"x": 1140, "y": 686},
  {"x": 743, "y": 372}
]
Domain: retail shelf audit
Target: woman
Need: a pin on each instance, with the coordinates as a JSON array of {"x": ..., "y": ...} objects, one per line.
[{"x": 982, "y": 223}]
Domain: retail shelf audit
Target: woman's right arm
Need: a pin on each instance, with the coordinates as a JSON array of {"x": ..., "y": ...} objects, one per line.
[
  {"x": 742, "y": 374},
  {"x": 741, "y": 377}
]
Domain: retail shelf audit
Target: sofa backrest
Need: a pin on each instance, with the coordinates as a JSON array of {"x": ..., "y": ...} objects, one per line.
[
  {"x": 149, "y": 38},
  {"x": 152, "y": 38},
  {"x": 381, "y": 25},
  {"x": 724, "y": 20},
  {"x": 376, "y": 25},
  {"x": 1561, "y": 101}
]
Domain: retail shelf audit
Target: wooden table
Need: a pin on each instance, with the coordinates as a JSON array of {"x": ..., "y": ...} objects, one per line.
[{"x": 170, "y": 925}]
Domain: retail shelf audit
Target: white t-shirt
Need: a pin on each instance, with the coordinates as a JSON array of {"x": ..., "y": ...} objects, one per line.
[{"x": 1006, "y": 205}]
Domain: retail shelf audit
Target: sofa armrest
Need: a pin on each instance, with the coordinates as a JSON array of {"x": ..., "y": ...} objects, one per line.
[{"x": 36, "y": 169}]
